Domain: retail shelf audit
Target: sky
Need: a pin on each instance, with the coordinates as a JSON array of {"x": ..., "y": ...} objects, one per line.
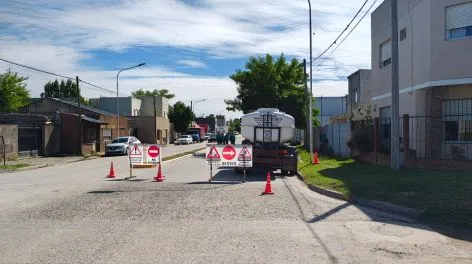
[{"x": 190, "y": 47}]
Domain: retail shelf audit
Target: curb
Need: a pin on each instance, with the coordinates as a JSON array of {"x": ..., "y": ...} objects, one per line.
[{"x": 379, "y": 205}]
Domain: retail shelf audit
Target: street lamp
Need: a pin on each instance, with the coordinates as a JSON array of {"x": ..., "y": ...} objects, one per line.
[
  {"x": 191, "y": 103},
  {"x": 117, "y": 96}
]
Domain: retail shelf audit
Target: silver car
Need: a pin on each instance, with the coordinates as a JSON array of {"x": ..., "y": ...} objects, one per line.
[
  {"x": 184, "y": 139},
  {"x": 120, "y": 145}
]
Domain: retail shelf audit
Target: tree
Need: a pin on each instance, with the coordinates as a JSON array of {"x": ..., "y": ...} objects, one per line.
[
  {"x": 13, "y": 92},
  {"x": 181, "y": 116},
  {"x": 274, "y": 84},
  {"x": 161, "y": 93},
  {"x": 64, "y": 89},
  {"x": 235, "y": 125}
]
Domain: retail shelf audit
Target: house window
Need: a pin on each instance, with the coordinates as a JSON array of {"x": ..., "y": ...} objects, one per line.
[
  {"x": 385, "y": 54},
  {"x": 459, "y": 21},
  {"x": 403, "y": 34},
  {"x": 457, "y": 120}
]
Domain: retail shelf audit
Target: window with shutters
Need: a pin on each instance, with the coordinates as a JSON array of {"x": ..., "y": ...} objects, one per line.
[
  {"x": 459, "y": 21},
  {"x": 385, "y": 54}
]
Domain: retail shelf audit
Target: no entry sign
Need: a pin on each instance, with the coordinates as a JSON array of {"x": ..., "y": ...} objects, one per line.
[{"x": 153, "y": 153}]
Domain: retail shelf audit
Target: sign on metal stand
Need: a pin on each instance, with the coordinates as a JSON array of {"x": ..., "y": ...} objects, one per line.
[
  {"x": 136, "y": 157},
  {"x": 239, "y": 156},
  {"x": 212, "y": 155},
  {"x": 153, "y": 155}
]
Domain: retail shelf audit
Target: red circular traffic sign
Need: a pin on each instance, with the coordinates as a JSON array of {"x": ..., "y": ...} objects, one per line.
[
  {"x": 229, "y": 152},
  {"x": 153, "y": 151}
]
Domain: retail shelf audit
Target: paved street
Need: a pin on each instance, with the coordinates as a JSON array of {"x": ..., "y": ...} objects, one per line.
[{"x": 72, "y": 214}]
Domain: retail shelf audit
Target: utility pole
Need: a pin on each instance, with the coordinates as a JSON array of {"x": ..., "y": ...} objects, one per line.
[
  {"x": 191, "y": 105},
  {"x": 80, "y": 114},
  {"x": 307, "y": 101},
  {"x": 310, "y": 114},
  {"x": 395, "y": 126},
  {"x": 155, "y": 117}
]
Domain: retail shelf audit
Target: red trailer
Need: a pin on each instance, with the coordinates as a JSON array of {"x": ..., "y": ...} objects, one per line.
[{"x": 206, "y": 127}]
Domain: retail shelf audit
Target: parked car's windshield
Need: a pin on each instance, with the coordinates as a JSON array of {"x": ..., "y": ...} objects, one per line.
[
  {"x": 184, "y": 136},
  {"x": 120, "y": 140}
]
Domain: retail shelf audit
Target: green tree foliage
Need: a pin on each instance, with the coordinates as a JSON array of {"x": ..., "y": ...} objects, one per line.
[
  {"x": 161, "y": 93},
  {"x": 63, "y": 89},
  {"x": 235, "y": 125},
  {"x": 181, "y": 116},
  {"x": 275, "y": 84},
  {"x": 13, "y": 92}
]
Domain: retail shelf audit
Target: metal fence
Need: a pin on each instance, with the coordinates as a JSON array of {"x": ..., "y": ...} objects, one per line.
[{"x": 441, "y": 138}]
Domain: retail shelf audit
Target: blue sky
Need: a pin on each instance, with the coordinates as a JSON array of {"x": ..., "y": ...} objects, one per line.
[{"x": 189, "y": 46}]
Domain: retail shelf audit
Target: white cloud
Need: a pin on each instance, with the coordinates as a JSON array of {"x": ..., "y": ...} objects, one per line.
[
  {"x": 192, "y": 63},
  {"x": 59, "y": 39}
]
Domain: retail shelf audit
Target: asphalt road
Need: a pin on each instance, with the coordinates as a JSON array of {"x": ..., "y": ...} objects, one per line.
[{"x": 87, "y": 218}]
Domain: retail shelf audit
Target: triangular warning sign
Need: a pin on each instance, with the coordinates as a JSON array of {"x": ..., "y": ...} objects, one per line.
[
  {"x": 213, "y": 154},
  {"x": 244, "y": 154},
  {"x": 135, "y": 151}
]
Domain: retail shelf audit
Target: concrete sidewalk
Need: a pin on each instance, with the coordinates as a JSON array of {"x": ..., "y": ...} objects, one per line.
[{"x": 39, "y": 162}]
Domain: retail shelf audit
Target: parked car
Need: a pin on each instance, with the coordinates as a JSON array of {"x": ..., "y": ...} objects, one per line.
[
  {"x": 184, "y": 139},
  {"x": 207, "y": 137},
  {"x": 120, "y": 145},
  {"x": 212, "y": 137}
]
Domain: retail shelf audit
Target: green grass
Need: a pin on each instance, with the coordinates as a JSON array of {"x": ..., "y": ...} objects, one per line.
[
  {"x": 445, "y": 197},
  {"x": 176, "y": 156},
  {"x": 13, "y": 167}
]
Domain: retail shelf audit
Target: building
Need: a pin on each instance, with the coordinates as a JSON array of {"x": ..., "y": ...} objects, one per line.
[
  {"x": 359, "y": 89},
  {"x": 129, "y": 106},
  {"x": 209, "y": 121},
  {"x": 330, "y": 107},
  {"x": 98, "y": 126},
  {"x": 148, "y": 117},
  {"x": 435, "y": 77},
  {"x": 221, "y": 124},
  {"x": 154, "y": 105}
]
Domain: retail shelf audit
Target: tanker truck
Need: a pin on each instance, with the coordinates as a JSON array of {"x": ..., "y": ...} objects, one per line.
[{"x": 269, "y": 131}]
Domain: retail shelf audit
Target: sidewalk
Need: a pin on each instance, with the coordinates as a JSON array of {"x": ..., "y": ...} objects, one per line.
[
  {"x": 39, "y": 162},
  {"x": 35, "y": 162}
]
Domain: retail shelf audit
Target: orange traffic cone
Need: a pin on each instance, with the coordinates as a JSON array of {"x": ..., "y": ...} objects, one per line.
[
  {"x": 159, "y": 176},
  {"x": 112, "y": 172},
  {"x": 315, "y": 158},
  {"x": 268, "y": 188}
]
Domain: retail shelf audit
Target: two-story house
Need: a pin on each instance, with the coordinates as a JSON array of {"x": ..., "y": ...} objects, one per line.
[
  {"x": 147, "y": 116},
  {"x": 435, "y": 73}
]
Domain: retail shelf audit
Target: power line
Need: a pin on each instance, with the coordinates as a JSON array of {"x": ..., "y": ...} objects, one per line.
[
  {"x": 96, "y": 87},
  {"x": 345, "y": 37},
  {"x": 342, "y": 32},
  {"x": 35, "y": 69}
]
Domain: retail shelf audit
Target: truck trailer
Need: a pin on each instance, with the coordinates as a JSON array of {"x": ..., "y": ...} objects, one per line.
[{"x": 270, "y": 131}]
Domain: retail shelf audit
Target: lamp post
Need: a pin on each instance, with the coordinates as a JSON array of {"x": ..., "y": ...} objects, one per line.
[
  {"x": 191, "y": 103},
  {"x": 117, "y": 96},
  {"x": 310, "y": 114}
]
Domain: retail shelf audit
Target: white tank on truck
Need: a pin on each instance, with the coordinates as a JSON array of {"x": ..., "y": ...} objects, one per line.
[
  {"x": 267, "y": 130},
  {"x": 267, "y": 118}
]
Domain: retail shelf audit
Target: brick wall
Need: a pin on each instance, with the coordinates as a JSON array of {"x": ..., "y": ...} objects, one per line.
[{"x": 433, "y": 124}]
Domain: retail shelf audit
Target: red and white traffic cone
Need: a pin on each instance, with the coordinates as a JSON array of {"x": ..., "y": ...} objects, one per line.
[
  {"x": 268, "y": 188},
  {"x": 112, "y": 172},
  {"x": 159, "y": 176},
  {"x": 315, "y": 158}
]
